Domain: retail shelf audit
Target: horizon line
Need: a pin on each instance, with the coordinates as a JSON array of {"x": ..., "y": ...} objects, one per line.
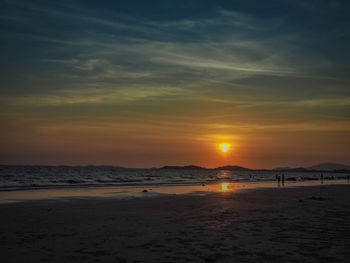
[{"x": 182, "y": 166}]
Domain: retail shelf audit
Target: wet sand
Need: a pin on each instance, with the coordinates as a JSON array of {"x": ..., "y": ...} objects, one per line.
[
  {"x": 301, "y": 224},
  {"x": 124, "y": 192}
]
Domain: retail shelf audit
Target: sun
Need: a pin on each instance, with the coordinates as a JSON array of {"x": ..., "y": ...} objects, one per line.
[{"x": 224, "y": 147}]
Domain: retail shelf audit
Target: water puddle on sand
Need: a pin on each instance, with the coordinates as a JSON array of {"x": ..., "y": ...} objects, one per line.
[{"x": 132, "y": 192}]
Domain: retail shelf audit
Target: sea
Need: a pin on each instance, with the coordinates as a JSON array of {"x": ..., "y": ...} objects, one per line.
[{"x": 60, "y": 177}]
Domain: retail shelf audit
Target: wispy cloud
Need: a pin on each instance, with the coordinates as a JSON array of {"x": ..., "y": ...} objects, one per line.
[
  {"x": 203, "y": 59},
  {"x": 205, "y": 51},
  {"x": 95, "y": 96}
]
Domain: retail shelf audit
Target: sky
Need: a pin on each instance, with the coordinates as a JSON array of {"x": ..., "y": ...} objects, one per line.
[{"x": 153, "y": 83}]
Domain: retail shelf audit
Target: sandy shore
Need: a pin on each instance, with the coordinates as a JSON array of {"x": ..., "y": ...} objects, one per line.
[{"x": 304, "y": 224}]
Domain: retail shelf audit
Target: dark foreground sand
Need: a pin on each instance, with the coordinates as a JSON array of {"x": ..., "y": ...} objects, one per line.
[{"x": 305, "y": 224}]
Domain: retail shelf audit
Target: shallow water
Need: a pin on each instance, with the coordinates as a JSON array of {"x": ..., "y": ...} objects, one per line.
[
  {"x": 55, "y": 177},
  {"x": 125, "y": 192}
]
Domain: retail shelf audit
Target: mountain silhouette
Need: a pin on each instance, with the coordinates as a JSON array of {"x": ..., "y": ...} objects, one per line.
[{"x": 329, "y": 167}]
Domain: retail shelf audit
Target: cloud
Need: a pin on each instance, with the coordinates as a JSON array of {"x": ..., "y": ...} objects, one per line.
[
  {"x": 95, "y": 96},
  {"x": 219, "y": 59}
]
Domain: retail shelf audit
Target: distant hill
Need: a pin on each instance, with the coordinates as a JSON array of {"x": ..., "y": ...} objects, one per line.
[
  {"x": 287, "y": 169},
  {"x": 186, "y": 167},
  {"x": 282, "y": 168},
  {"x": 195, "y": 167},
  {"x": 329, "y": 167},
  {"x": 233, "y": 168}
]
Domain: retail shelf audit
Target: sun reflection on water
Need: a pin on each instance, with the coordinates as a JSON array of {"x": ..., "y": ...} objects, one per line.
[{"x": 224, "y": 187}]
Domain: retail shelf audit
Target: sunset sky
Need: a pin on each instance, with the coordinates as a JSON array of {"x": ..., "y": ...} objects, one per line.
[{"x": 153, "y": 83}]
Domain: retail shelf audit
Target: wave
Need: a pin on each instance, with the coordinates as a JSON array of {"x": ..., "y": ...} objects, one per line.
[{"x": 49, "y": 177}]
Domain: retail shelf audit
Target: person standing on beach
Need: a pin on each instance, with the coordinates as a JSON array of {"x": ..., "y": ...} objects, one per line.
[{"x": 278, "y": 178}]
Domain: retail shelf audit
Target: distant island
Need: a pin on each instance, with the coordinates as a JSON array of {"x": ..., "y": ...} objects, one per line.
[
  {"x": 186, "y": 167},
  {"x": 233, "y": 168},
  {"x": 329, "y": 167},
  {"x": 322, "y": 167}
]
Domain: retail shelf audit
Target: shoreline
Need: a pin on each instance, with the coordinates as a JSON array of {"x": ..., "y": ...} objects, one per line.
[
  {"x": 292, "y": 224},
  {"x": 124, "y": 192}
]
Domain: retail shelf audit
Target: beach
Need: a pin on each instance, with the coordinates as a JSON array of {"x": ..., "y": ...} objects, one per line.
[
  {"x": 175, "y": 131},
  {"x": 296, "y": 224}
]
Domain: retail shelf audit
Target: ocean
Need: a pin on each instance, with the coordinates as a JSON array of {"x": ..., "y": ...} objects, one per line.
[{"x": 57, "y": 177}]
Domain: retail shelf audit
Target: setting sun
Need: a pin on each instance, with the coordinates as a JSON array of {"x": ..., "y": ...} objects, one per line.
[{"x": 224, "y": 147}]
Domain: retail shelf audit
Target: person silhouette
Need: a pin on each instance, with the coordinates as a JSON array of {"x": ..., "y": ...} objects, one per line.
[{"x": 278, "y": 178}]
